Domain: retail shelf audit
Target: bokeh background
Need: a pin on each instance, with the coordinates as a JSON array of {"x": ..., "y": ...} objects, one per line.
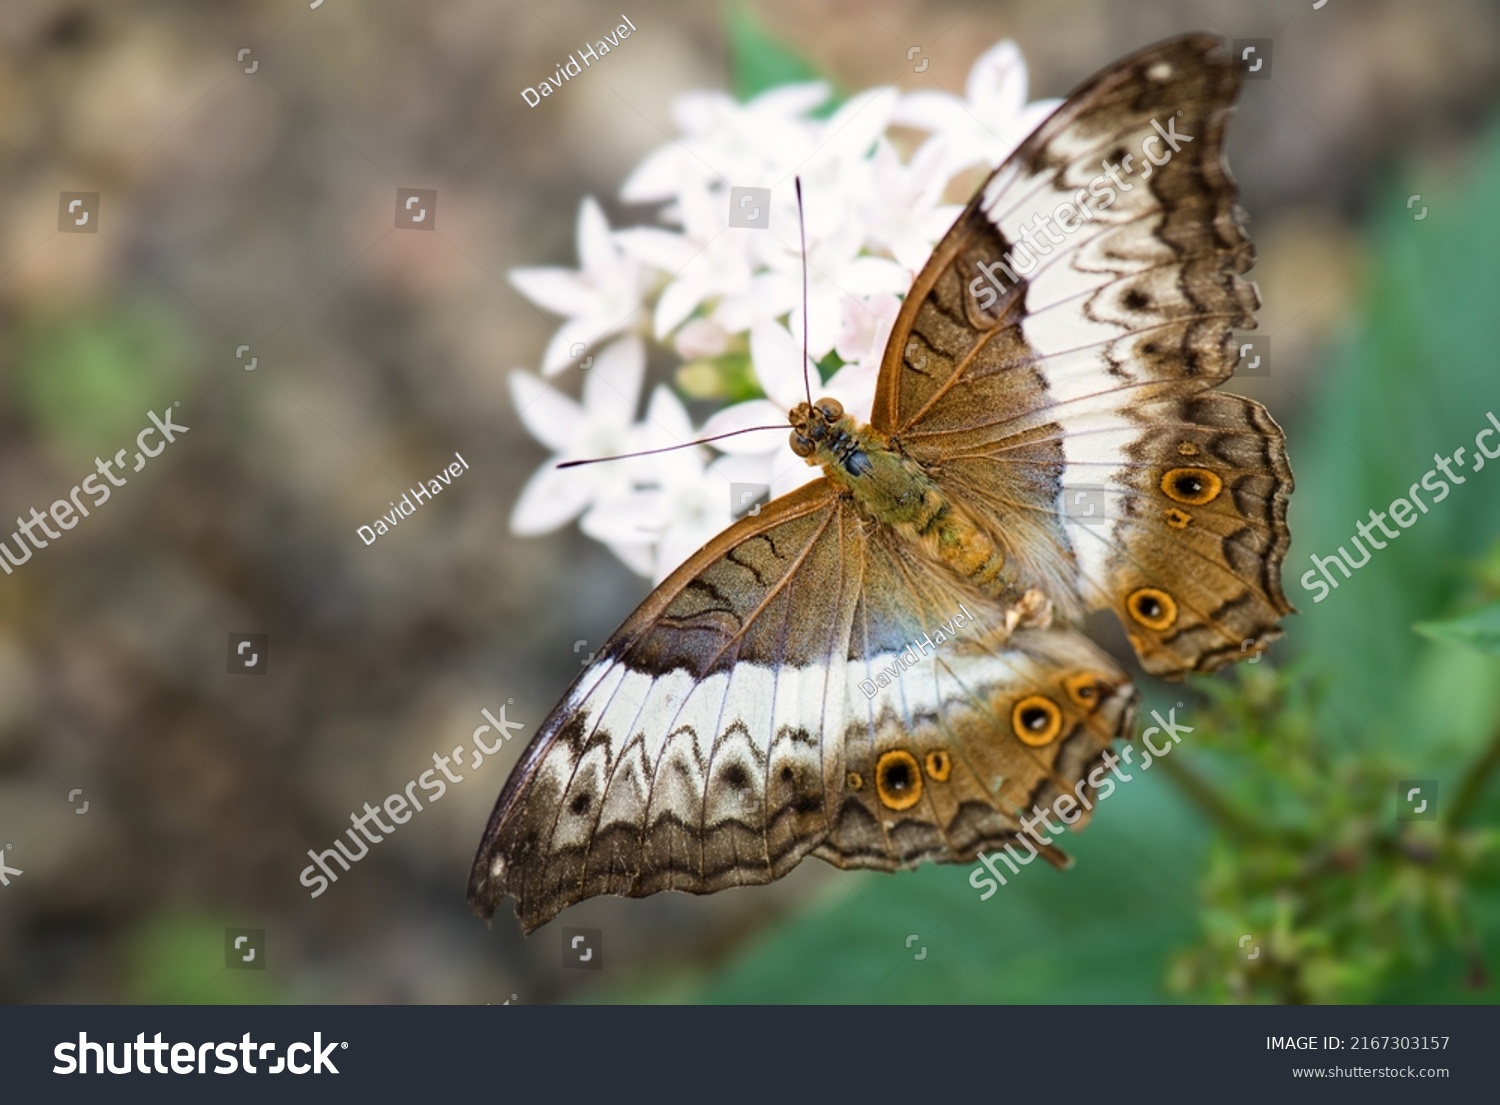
[{"x": 257, "y": 209}]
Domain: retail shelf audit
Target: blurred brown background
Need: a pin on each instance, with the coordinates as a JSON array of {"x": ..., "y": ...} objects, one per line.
[{"x": 258, "y": 209}]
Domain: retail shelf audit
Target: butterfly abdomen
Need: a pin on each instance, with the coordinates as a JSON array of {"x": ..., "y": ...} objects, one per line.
[
  {"x": 969, "y": 552},
  {"x": 895, "y": 490}
]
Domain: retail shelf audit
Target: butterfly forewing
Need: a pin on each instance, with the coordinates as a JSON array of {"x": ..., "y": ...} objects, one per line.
[
  {"x": 1035, "y": 372},
  {"x": 690, "y": 754}
]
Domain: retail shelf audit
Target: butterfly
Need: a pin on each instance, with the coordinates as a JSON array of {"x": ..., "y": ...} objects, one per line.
[{"x": 883, "y": 667}]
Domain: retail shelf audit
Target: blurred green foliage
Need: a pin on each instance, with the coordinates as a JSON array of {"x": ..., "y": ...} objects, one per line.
[
  {"x": 757, "y": 61},
  {"x": 82, "y": 373},
  {"x": 1479, "y": 629},
  {"x": 1315, "y": 890},
  {"x": 1278, "y": 818},
  {"x": 177, "y": 958}
]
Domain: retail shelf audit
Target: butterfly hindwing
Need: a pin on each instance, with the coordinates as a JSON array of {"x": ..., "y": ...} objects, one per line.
[
  {"x": 759, "y": 705},
  {"x": 1190, "y": 551},
  {"x": 947, "y": 760},
  {"x": 1033, "y": 373}
]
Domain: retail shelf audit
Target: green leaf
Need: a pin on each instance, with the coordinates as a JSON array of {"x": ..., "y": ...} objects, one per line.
[
  {"x": 1478, "y": 629},
  {"x": 758, "y": 62}
]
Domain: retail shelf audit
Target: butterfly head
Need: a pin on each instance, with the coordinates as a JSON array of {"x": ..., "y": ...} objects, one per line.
[{"x": 819, "y": 426}]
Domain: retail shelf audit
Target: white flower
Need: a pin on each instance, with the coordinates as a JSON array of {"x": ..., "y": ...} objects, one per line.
[
  {"x": 700, "y": 339},
  {"x": 709, "y": 262},
  {"x": 697, "y": 506},
  {"x": 902, "y": 212},
  {"x": 601, "y": 298},
  {"x": 725, "y": 142},
  {"x": 836, "y": 185},
  {"x": 834, "y": 276},
  {"x": 984, "y": 128},
  {"x": 600, "y": 427},
  {"x": 866, "y": 329},
  {"x": 687, "y": 503}
]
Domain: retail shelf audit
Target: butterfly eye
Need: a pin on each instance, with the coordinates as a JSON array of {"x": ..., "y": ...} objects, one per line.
[
  {"x": 898, "y": 779},
  {"x": 1154, "y": 609},
  {"x": 939, "y": 766},
  {"x": 831, "y": 409},
  {"x": 800, "y": 445},
  {"x": 1084, "y": 690},
  {"x": 1036, "y": 720},
  {"x": 1194, "y": 486}
]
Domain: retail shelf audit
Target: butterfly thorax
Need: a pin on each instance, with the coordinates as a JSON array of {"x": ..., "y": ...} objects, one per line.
[{"x": 893, "y": 489}]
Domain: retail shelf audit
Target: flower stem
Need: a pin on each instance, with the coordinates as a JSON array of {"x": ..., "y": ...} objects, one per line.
[
  {"x": 1472, "y": 787},
  {"x": 1203, "y": 794}
]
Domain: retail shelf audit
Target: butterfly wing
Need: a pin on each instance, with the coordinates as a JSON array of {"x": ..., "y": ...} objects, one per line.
[
  {"x": 1053, "y": 366},
  {"x": 689, "y": 755},
  {"x": 722, "y": 734},
  {"x": 944, "y": 757}
]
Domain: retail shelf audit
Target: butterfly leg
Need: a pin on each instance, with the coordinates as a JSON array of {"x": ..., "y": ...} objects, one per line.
[{"x": 1034, "y": 611}]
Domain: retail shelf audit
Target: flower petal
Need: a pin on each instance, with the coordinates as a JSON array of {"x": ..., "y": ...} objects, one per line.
[
  {"x": 997, "y": 81},
  {"x": 791, "y": 101},
  {"x": 701, "y": 339},
  {"x": 661, "y": 249},
  {"x": 640, "y": 559},
  {"x": 657, "y": 177},
  {"x": 779, "y": 365},
  {"x": 549, "y": 415},
  {"x": 667, "y": 422},
  {"x": 634, "y": 518},
  {"x": 741, "y": 416},
  {"x": 678, "y": 301},
  {"x": 854, "y": 386},
  {"x": 756, "y": 468},
  {"x": 852, "y": 131},
  {"x": 560, "y": 291},
  {"x": 575, "y": 337},
  {"x": 551, "y": 499},
  {"x": 612, "y": 385},
  {"x": 792, "y": 475},
  {"x": 935, "y": 112},
  {"x": 596, "y": 249}
]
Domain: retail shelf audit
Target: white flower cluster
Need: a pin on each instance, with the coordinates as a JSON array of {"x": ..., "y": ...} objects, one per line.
[{"x": 715, "y": 294}]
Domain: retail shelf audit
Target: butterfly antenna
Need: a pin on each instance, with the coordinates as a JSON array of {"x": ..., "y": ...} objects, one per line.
[
  {"x": 668, "y": 448},
  {"x": 802, "y": 227}
]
